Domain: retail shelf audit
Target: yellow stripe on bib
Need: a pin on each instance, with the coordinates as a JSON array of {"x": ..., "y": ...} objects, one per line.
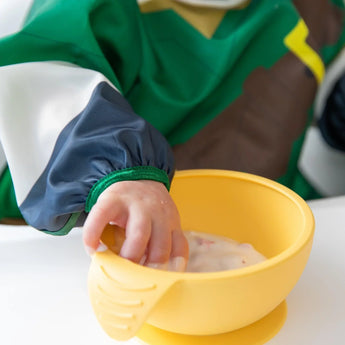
[{"x": 296, "y": 42}]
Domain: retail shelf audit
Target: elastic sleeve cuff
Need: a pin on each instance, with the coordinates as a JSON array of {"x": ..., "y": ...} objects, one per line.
[{"x": 129, "y": 174}]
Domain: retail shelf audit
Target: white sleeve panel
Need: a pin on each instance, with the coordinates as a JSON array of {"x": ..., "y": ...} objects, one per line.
[
  {"x": 12, "y": 15},
  {"x": 2, "y": 159},
  {"x": 321, "y": 165},
  {"x": 37, "y": 100}
]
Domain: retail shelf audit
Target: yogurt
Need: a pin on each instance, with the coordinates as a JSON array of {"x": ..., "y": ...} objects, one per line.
[
  {"x": 207, "y": 253},
  {"x": 212, "y": 253}
]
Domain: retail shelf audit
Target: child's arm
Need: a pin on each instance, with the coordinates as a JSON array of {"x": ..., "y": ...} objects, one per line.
[
  {"x": 72, "y": 142},
  {"x": 67, "y": 130}
]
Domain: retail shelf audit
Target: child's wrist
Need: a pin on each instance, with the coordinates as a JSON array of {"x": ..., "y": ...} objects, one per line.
[{"x": 128, "y": 174}]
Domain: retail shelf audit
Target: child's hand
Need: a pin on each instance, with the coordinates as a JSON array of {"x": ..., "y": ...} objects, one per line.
[{"x": 145, "y": 209}]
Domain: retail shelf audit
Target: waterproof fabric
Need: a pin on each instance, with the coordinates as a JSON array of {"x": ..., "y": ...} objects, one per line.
[
  {"x": 119, "y": 83},
  {"x": 332, "y": 121}
]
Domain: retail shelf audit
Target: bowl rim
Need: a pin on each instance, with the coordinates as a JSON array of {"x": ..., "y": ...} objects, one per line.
[{"x": 302, "y": 240}]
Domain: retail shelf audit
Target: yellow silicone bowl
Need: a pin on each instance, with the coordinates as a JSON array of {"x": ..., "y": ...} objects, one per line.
[{"x": 244, "y": 207}]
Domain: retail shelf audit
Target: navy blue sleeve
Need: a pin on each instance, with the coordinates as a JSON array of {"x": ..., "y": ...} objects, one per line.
[
  {"x": 107, "y": 142},
  {"x": 332, "y": 121}
]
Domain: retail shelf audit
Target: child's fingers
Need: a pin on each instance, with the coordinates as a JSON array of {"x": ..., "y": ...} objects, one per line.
[
  {"x": 152, "y": 223},
  {"x": 179, "y": 247},
  {"x": 138, "y": 232},
  {"x": 179, "y": 252},
  {"x": 160, "y": 242},
  {"x": 100, "y": 215}
]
